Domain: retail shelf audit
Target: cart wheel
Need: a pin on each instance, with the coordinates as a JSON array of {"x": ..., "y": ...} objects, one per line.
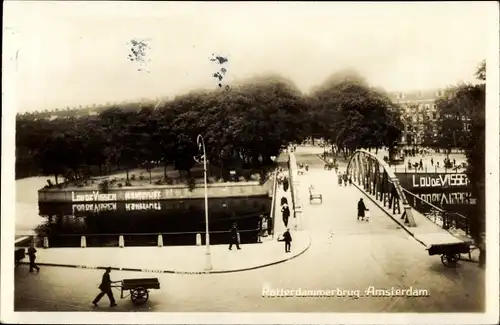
[
  {"x": 139, "y": 295},
  {"x": 449, "y": 260},
  {"x": 455, "y": 258}
]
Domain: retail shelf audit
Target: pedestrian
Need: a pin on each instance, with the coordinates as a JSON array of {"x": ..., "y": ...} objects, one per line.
[
  {"x": 234, "y": 237},
  {"x": 432, "y": 162},
  {"x": 285, "y": 184},
  {"x": 285, "y": 212},
  {"x": 421, "y": 165},
  {"x": 361, "y": 209},
  {"x": 269, "y": 225},
  {"x": 105, "y": 288},
  {"x": 287, "y": 238},
  {"x": 345, "y": 179},
  {"x": 482, "y": 250},
  {"x": 263, "y": 226},
  {"x": 32, "y": 258},
  {"x": 350, "y": 180}
]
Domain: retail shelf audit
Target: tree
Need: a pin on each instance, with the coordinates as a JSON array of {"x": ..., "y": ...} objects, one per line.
[
  {"x": 455, "y": 110},
  {"x": 462, "y": 124},
  {"x": 475, "y": 98},
  {"x": 352, "y": 115}
]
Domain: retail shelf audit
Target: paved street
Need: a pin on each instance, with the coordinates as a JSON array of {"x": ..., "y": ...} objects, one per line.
[{"x": 345, "y": 253}]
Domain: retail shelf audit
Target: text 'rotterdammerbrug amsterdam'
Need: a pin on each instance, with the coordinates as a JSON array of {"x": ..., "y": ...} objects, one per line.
[{"x": 345, "y": 293}]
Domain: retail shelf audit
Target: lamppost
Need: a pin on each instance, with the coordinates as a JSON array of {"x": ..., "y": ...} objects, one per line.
[
  {"x": 273, "y": 207},
  {"x": 201, "y": 144}
]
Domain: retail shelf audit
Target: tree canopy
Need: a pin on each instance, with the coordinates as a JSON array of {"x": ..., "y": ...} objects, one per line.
[
  {"x": 461, "y": 124},
  {"x": 242, "y": 125},
  {"x": 348, "y": 113},
  {"x": 242, "y": 128}
]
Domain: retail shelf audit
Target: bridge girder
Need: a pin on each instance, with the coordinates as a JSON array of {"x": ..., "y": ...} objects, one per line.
[{"x": 376, "y": 178}]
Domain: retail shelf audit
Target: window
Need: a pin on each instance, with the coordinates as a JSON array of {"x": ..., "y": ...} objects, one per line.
[{"x": 434, "y": 115}]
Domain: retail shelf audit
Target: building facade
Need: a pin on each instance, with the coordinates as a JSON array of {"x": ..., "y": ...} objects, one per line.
[{"x": 419, "y": 115}]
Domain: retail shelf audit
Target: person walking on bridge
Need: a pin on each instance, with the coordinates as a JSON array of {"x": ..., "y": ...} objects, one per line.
[
  {"x": 285, "y": 212},
  {"x": 361, "y": 209}
]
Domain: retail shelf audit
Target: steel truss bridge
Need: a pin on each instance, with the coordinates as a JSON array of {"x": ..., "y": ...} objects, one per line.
[{"x": 375, "y": 176}]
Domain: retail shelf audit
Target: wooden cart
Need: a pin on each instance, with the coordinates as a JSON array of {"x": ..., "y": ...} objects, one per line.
[
  {"x": 138, "y": 289},
  {"x": 450, "y": 253}
]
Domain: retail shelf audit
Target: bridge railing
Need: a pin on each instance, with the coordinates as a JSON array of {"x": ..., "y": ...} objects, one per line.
[
  {"x": 426, "y": 170},
  {"x": 375, "y": 177},
  {"x": 455, "y": 223}
]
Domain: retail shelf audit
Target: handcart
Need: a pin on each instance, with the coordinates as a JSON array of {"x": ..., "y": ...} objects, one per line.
[
  {"x": 450, "y": 253},
  {"x": 138, "y": 288}
]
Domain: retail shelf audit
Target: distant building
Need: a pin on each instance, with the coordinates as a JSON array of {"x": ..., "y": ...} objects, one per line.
[{"x": 419, "y": 111}]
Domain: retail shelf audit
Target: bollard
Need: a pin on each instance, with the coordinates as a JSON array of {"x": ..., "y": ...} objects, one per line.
[
  {"x": 198, "y": 239},
  {"x": 45, "y": 242},
  {"x": 83, "y": 242},
  {"x": 160, "y": 240},
  {"x": 121, "y": 241}
]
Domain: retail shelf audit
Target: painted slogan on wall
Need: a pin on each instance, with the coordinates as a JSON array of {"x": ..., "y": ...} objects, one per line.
[
  {"x": 134, "y": 206},
  {"x": 433, "y": 180},
  {"x": 96, "y": 196},
  {"x": 440, "y": 180}
]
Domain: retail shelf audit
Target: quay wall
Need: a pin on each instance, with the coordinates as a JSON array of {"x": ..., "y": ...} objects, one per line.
[{"x": 153, "y": 192}]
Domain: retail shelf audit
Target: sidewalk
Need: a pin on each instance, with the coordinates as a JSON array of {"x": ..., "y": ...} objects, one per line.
[
  {"x": 426, "y": 232},
  {"x": 175, "y": 259}
]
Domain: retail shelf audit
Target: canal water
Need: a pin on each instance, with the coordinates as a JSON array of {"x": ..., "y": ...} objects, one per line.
[{"x": 179, "y": 221}]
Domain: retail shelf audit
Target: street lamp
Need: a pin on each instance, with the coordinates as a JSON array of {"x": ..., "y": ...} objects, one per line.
[{"x": 201, "y": 144}]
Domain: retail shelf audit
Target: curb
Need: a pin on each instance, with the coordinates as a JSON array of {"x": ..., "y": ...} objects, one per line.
[{"x": 179, "y": 272}]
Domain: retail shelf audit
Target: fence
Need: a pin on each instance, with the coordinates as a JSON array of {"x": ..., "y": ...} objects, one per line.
[
  {"x": 247, "y": 236},
  {"x": 455, "y": 223},
  {"x": 434, "y": 169}
]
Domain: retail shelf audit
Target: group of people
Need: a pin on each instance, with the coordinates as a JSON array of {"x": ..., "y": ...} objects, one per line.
[
  {"x": 343, "y": 179},
  {"x": 447, "y": 163},
  {"x": 283, "y": 180},
  {"x": 285, "y": 213}
]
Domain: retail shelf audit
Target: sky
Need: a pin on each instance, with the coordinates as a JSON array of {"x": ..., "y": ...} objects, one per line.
[{"x": 76, "y": 53}]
